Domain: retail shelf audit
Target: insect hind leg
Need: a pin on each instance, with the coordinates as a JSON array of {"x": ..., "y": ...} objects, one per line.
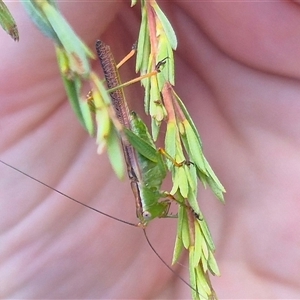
[{"x": 186, "y": 205}]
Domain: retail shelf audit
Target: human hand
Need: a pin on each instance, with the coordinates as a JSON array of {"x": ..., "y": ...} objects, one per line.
[{"x": 237, "y": 76}]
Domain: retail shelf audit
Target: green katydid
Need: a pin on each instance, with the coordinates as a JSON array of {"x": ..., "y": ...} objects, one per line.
[
  {"x": 151, "y": 171},
  {"x": 147, "y": 169},
  {"x": 145, "y": 164}
]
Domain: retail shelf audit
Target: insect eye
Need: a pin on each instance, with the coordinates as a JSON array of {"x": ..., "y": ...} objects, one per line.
[{"x": 147, "y": 216}]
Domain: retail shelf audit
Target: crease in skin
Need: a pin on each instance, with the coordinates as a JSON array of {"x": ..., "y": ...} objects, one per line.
[
  {"x": 230, "y": 173},
  {"x": 38, "y": 157},
  {"x": 44, "y": 253},
  {"x": 27, "y": 120},
  {"x": 44, "y": 246},
  {"x": 40, "y": 250},
  {"x": 204, "y": 63},
  {"x": 37, "y": 286},
  {"x": 263, "y": 116},
  {"x": 232, "y": 68},
  {"x": 271, "y": 44}
]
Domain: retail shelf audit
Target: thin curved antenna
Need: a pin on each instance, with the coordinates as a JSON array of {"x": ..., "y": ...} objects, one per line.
[
  {"x": 162, "y": 260},
  {"x": 105, "y": 214},
  {"x": 63, "y": 194}
]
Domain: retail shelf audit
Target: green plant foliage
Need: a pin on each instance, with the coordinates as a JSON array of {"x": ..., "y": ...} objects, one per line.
[
  {"x": 7, "y": 21},
  {"x": 183, "y": 157}
]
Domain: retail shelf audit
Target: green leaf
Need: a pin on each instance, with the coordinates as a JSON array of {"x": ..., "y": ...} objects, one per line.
[
  {"x": 213, "y": 267},
  {"x": 104, "y": 127},
  {"x": 143, "y": 46},
  {"x": 205, "y": 251},
  {"x": 216, "y": 189},
  {"x": 37, "y": 16},
  {"x": 178, "y": 248},
  {"x": 207, "y": 235},
  {"x": 115, "y": 154},
  {"x": 204, "y": 266},
  {"x": 167, "y": 26},
  {"x": 175, "y": 182},
  {"x": 167, "y": 73},
  {"x": 192, "y": 199},
  {"x": 141, "y": 146},
  {"x": 185, "y": 230},
  {"x": 171, "y": 66},
  {"x": 155, "y": 126},
  {"x": 195, "y": 148},
  {"x": 214, "y": 182},
  {"x": 191, "y": 176},
  {"x": 163, "y": 75},
  {"x": 188, "y": 117},
  {"x": 198, "y": 246},
  {"x": 73, "y": 88},
  {"x": 170, "y": 142},
  {"x": 182, "y": 180},
  {"x": 87, "y": 117},
  {"x": 7, "y": 21},
  {"x": 133, "y": 3},
  {"x": 70, "y": 41},
  {"x": 146, "y": 83},
  {"x": 106, "y": 134},
  {"x": 51, "y": 23},
  {"x": 202, "y": 282},
  {"x": 193, "y": 274}
]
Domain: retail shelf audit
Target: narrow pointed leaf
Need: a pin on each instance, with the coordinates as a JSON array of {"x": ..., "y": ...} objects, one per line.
[
  {"x": 167, "y": 26},
  {"x": 7, "y": 21}
]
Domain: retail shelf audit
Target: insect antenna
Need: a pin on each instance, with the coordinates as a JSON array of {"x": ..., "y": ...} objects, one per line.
[
  {"x": 162, "y": 260},
  {"x": 107, "y": 215},
  {"x": 67, "y": 196}
]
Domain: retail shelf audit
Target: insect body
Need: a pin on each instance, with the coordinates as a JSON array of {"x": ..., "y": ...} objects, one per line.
[
  {"x": 150, "y": 173},
  {"x": 146, "y": 170},
  {"x": 145, "y": 166}
]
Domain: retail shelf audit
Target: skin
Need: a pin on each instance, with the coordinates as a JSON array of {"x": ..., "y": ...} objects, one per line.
[{"x": 238, "y": 73}]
